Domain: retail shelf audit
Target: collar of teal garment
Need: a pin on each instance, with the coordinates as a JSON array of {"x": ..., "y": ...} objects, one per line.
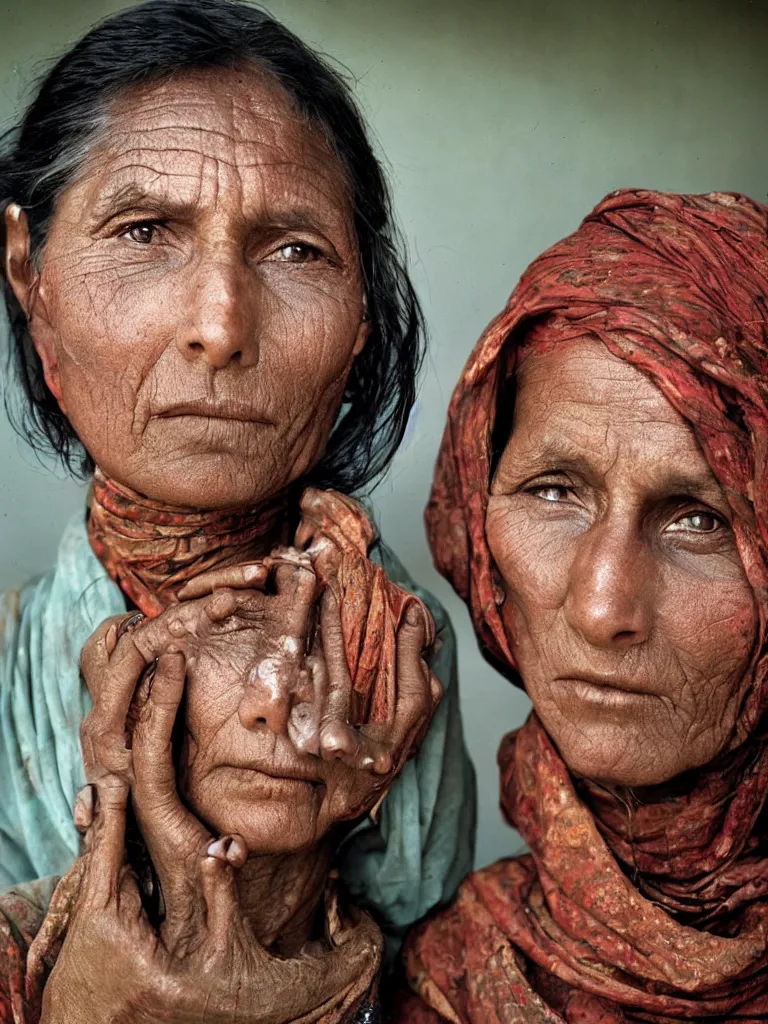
[{"x": 398, "y": 867}]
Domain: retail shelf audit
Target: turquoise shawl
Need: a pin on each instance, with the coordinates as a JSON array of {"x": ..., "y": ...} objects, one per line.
[{"x": 412, "y": 858}]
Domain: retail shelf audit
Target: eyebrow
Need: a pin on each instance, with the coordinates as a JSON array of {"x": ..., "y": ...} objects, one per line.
[
  {"x": 683, "y": 484},
  {"x": 131, "y": 196},
  {"x": 122, "y": 198},
  {"x": 561, "y": 456}
]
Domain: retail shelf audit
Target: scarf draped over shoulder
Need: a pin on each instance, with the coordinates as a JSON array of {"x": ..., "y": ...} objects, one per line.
[{"x": 658, "y": 912}]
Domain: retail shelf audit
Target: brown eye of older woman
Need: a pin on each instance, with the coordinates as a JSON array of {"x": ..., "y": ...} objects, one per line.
[
  {"x": 697, "y": 522},
  {"x": 550, "y": 492},
  {"x": 143, "y": 232},
  {"x": 296, "y": 252}
]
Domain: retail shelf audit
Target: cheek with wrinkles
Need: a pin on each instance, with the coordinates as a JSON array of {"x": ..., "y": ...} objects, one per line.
[{"x": 696, "y": 658}]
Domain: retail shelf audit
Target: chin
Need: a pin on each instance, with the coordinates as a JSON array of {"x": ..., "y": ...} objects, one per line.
[
  {"x": 208, "y": 482},
  {"x": 269, "y": 825},
  {"x": 620, "y": 756}
]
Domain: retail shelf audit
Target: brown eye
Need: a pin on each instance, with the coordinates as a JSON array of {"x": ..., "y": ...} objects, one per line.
[
  {"x": 296, "y": 252},
  {"x": 550, "y": 492},
  {"x": 697, "y": 522},
  {"x": 143, "y": 233}
]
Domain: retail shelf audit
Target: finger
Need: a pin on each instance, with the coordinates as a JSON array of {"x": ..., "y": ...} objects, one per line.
[
  {"x": 172, "y": 833},
  {"x": 337, "y": 738},
  {"x": 113, "y": 684},
  {"x": 129, "y": 902},
  {"x": 56, "y": 922},
  {"x": 217, "y": 879},
  {"x": 416, "y": 688},
  {"x": 84, "y": 811},
  {"x": 249, "y": 576},
  {"x": 297, "y": 583},
  {"x": 99, "y": 647},
  {"x": 417, "y": 695},
  {"x": 107, "y": 852}
]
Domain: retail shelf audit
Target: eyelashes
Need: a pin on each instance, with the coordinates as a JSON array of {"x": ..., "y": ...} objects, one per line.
[{"x": 295, "y": 252}]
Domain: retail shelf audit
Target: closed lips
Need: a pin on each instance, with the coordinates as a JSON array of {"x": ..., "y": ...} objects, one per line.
[
  {"x": 608, "y": 683},
  {"x": 219, "y": 411}
]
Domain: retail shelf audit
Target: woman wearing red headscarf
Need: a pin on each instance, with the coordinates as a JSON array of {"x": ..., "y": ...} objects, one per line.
[{"x": 601, "y": 504}]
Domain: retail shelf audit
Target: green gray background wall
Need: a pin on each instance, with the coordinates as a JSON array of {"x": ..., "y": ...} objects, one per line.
[{"x": 502, "y": 122}]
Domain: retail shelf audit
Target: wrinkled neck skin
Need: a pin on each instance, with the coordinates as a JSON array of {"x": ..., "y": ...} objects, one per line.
[
  {"x": 282, "y": 897},
  {"x": 151, "y": 549}
]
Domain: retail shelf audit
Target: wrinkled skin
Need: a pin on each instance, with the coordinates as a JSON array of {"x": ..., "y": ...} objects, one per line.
[
  {"x": 207, "y": 963},
  {"x": 632, "y": 618},
  {"x": 199, "y": 302},
  {"x": 242, "y": 891},
  {"x": 197, "y": 309}
]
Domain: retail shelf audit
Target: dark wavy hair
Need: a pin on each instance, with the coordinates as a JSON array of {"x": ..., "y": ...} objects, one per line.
[{"x": 41, "y": 155}]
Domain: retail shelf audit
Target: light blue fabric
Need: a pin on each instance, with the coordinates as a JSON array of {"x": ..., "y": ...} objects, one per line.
[{"x": 411, "y": 859}]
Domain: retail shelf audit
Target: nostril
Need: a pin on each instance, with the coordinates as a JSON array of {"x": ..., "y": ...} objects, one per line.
[{"x": 260, "y": 721}]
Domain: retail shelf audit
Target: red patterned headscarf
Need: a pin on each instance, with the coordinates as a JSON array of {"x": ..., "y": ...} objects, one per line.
[{"x": 661, "y": 913}]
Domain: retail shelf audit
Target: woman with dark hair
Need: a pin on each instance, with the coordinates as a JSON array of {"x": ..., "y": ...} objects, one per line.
[
  {"x": 210, "y": 314},
  {"x": 601, "y": 504}
]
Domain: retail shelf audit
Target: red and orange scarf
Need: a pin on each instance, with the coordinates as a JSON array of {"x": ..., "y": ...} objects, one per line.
[{"x": 661, "y": 914}]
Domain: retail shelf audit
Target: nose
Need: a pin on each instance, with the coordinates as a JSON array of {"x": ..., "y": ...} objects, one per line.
[
  {"x": 609, "y": 600},
  {"x": 270, "y": 695},
  {"x": 219, "y": 327}
]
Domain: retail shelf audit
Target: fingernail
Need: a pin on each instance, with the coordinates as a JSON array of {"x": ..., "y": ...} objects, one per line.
[
  {"x": 237, "y": 854},
  {"x": 252, "y": 572},
  {"x": 413, "y": 616},
  {"x": 218, "y": 848},
  {"x": 129, "y": 625},
  {"x": 111, "y": 638},
  {"x": 83, "y": 812}
]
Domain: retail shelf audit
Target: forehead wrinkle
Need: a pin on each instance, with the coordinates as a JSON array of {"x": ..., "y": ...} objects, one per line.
[
  {"x": 156, "y": 118},
  {"x": 314, "y": 178},
  {"x": 127, "y": 108},
  {"x": 653, "y": 475},
  {"x": 586, "y": 429}
]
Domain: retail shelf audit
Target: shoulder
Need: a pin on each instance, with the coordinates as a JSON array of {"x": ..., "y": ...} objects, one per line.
[{"x": 14, "y": 606}]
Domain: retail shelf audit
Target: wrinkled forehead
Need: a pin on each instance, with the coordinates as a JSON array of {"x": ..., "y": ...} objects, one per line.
[
  {"x": 579, "y": 403},
  {"x": 204, "y": 135}
]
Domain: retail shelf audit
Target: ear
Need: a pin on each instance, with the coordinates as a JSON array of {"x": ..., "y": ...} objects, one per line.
[
  {"x": 363, "y": 333},
  {"x": 24, "y": 279}
]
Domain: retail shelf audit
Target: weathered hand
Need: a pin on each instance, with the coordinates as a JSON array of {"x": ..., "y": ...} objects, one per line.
[
  {"x": 112, "y": 662},
  {"x": 224, "y": 629},
  {"x": 380, "y": 747},
  {"x": 204, "y": 964}
]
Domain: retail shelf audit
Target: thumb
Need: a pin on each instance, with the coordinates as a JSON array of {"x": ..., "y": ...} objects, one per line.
[{"x": 217, "y": 879}]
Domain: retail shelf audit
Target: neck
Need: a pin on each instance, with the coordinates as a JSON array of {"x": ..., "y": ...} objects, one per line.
[
  {"x": 152, "y": 549},
  {"x": 282, "y": 896}
]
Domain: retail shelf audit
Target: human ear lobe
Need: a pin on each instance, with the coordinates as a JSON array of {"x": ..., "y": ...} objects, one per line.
[
  {"x": 24, "y": 279},
  {"x": 22, "y": 276},
  {"x": 363, "y": 333}
]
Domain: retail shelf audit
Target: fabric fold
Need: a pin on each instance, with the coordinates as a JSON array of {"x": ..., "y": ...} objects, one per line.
[{"x": 626, "y": 909}]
